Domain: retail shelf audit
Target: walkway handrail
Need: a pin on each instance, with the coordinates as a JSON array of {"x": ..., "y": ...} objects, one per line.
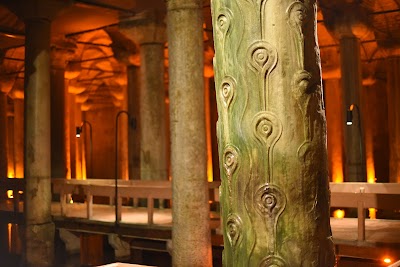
[{"x": 365, "y": 195}]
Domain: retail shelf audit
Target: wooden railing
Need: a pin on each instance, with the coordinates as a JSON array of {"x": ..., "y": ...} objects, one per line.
[{"x": 385, "y": 196}]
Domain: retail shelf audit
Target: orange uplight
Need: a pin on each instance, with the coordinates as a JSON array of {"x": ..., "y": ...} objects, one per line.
[
  {"x": 387, "y": 260},
  {"x": 370, "y": 166},
  {"x": 338, "y": 214}
]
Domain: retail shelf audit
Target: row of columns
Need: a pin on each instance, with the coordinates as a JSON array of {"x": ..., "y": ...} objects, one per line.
[
  {"x": 350, "y": 28},
  {"x": 43, "y": 108}
]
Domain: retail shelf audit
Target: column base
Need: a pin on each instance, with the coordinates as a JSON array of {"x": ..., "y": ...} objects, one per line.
[{"x": 39, "y": 245}]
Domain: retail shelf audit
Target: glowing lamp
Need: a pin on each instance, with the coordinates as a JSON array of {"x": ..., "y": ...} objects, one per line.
[
  {"x": 78, "y": 131},
  {"x": 338, "y": 214},
  {"x": 387, "y": 260},
  {"x": 349, "y": 115}
]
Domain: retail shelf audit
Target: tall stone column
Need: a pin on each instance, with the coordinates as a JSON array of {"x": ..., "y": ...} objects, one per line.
[
  {"x": 134, "y": 140},
  {"x": 3, "y": 136},
  {"x": 393, "y": 90},
  {"x": 60, "y": 51},
  {"x": 17, "y": 94},
  {"x": 272, "y": 134},
  {"x": 349, "y": 23},
  {"x": 38, "y": 227},
  {"x": 191, "y": 238},
  {"x": 39, "y": 232},
  {"x": 5, "y": 86},
  {"x": 149, "y": 32},
  {"x": 335, "y": 121}
]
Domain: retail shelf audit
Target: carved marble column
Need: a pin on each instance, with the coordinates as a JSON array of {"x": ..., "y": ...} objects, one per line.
[
  {"x": 272, "y": 134},
  {"x": 393, "y": 90},
  {"x": 149, "y": 32},
  {"x": 191, "y": 238}
]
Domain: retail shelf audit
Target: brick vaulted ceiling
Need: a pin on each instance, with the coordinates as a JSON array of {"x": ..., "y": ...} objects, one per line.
[{"x": 90, "y": 23}]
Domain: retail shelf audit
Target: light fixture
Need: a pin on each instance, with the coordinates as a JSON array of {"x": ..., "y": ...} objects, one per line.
[
  {"x": 78, "y": 131},
  {"x": 387, "y": 260},
  {"x": 349, "y": 115}
]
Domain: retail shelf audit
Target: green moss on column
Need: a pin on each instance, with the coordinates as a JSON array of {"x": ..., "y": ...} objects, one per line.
[{"x": 272, "y": 134}]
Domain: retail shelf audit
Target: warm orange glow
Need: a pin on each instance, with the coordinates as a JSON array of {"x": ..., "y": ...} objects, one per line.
[
  {"x": 10, "y": 194},
  {"x": 387, "y": 260},
  {"x": 208, "y": 129},
  {"x": 9, "y": 228},
  {"x": 370, "y": 166},
  {"x": 71, "y": 201},
  {"x": 338, "y": 214},
  {"x": 10, "y": 174}
]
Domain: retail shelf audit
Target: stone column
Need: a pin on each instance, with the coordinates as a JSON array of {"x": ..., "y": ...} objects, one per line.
[
  {"x": 38, "y": 226},
  {"x": 3, "y": 136},
  {"x": 272, "y": 134},
  {"x": 60, "y": 51},
  {"x": 134, "y": 140},
  {"x": 393, "y": 93},
  {"x": 149, "y": 32},
  {"x": 335, "y": 121},
  {"x": 39, "y": 232},
  {"x": 17, "y": 94},
  {"x": 349, "y": 23},
  {"x": 191, "y": 238},
  {"x": 5, "y": 86}
]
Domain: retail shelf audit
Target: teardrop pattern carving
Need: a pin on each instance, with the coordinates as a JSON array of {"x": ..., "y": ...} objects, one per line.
[
  {"x": 227, "y": 90},
  {"x": 262, "y": 57},
  {"x": 267, "y": 128},
  {"x": 223, "y": 22},
  {"x": 270, "y": 201},
  {"x": 234, "y": 229},
  {"x": 273, "y": 261},
  {"x": 297, "y": 14},
  {"x": 231, "y": 158}
]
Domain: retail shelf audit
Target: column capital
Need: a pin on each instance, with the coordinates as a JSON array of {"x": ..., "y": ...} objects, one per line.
[
  {"x": 62, "y": 50},
  {"x": 124, "y": 49},
  {"x": 6, "y": 83},
  {"x": 144, "y": 28},
  {"x": 347, "y": 19}
]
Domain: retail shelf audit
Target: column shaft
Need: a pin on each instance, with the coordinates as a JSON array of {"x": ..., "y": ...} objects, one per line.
[
  {"x": 335, "y": 122},
  {"x": 39, "y": 229},
  {"x": 19, "y": 137},
  {"x": 3, "y": 136},
  {"x": 351, "y": 86},
  {"x": 393, "y": 89},
  {"x": 152, "y": 113},
  {"x": 59, "y": 167},
  {"x": 72, "y": 134},
  {"x": 271, "y": 134},
  {"x": 190, "y": 232},
  {"x": 133, "y": 76}
]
